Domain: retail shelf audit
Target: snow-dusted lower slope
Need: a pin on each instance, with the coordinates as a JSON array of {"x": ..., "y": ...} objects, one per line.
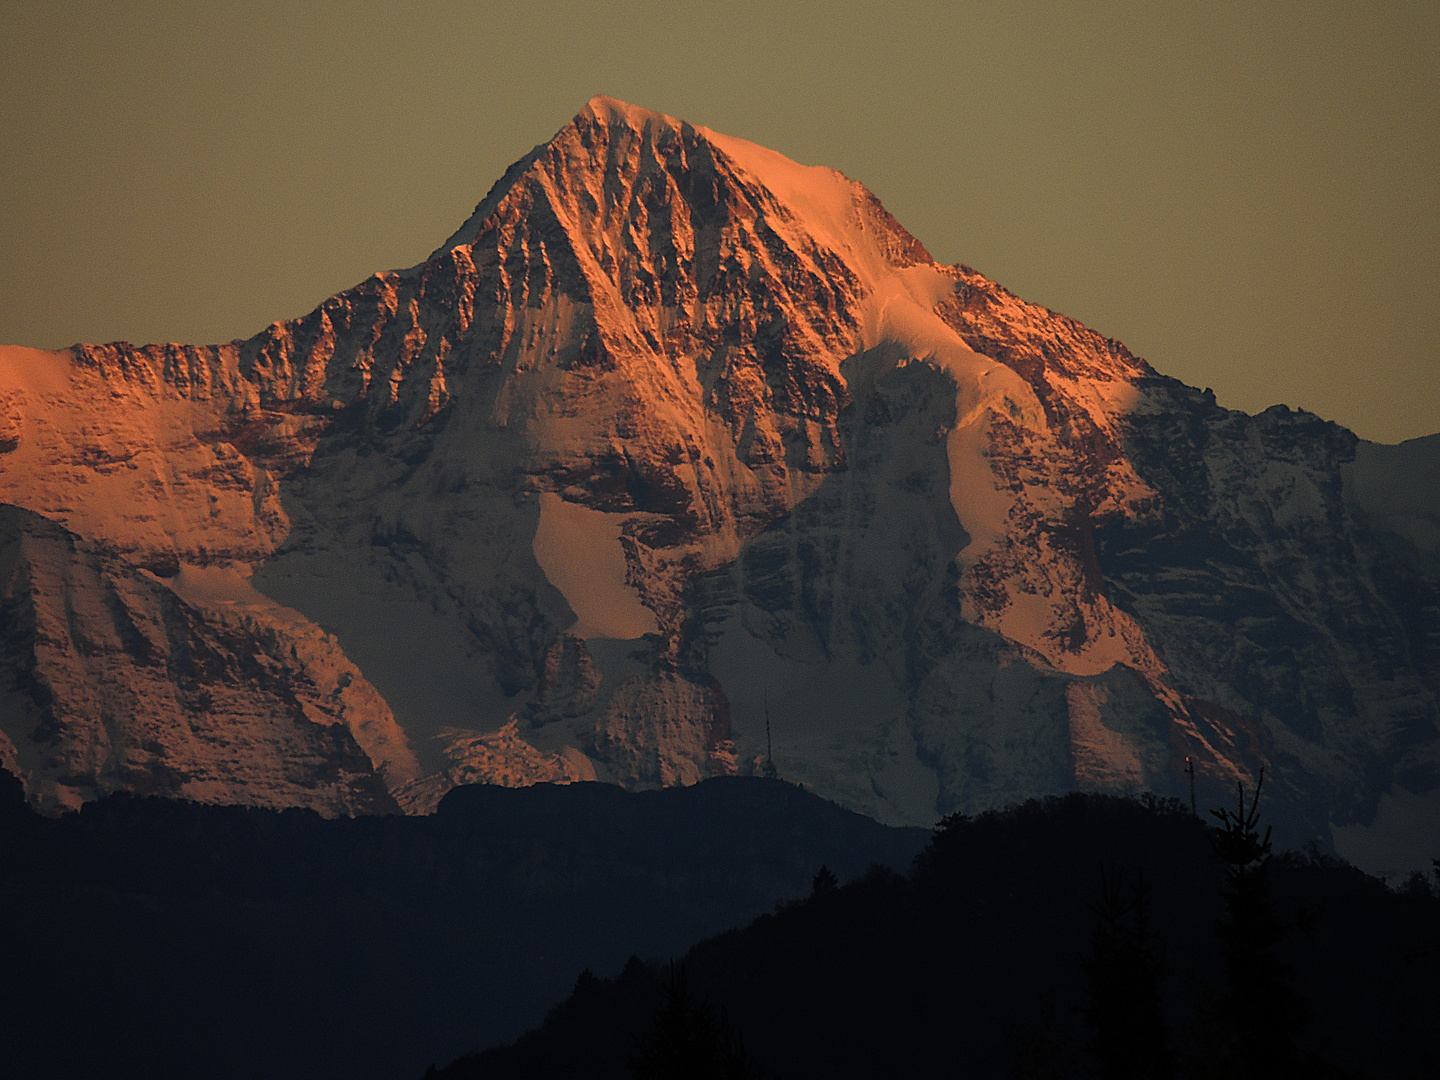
[{"x": 674, "y": 434}]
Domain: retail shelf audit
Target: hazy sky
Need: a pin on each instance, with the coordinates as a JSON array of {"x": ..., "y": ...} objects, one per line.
[{"x": 1245, "y": 195}]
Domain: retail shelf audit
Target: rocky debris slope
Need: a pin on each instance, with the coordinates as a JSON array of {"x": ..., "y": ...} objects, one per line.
[{"x": 681, "y": 459}]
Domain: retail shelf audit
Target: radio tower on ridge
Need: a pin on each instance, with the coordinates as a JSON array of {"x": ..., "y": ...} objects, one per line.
[{"x": 770, "y": 771}]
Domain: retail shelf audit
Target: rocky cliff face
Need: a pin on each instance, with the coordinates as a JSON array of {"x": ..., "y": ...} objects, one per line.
[
  {"x": 674, "y": 435},
  {"x": 117, "y": 680},
  {"x": 1290, "y": 582}
]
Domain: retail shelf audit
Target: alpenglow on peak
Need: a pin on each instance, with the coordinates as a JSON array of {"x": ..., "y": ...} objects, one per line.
[{"x": 673, "y": 433}]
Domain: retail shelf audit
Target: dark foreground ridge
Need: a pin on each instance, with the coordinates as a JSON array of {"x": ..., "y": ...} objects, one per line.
[
  {"x": 1080, "y": 936},
  {"x": 154, "y": 938}
]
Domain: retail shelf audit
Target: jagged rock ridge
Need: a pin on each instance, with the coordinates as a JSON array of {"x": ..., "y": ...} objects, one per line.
[{"x": 674, "y": 433}]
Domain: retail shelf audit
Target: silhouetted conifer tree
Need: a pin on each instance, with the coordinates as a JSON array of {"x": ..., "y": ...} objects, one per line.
[
  {"x": 1124, "y": 973},
  {"x": 1038, "y": 1049},
  {"x": 1417, "y": 884},
  {"x": 1260, "y": 1012},
  {"x": 688, "y": 1042},
  {"x": 824, "y": 882}
]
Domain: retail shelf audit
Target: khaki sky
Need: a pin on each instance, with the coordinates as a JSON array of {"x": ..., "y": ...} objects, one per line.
[{"x": 1248, "y": 196}]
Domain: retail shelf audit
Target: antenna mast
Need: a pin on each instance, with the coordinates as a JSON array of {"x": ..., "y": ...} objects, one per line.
[{"x": 770, "y": 771}]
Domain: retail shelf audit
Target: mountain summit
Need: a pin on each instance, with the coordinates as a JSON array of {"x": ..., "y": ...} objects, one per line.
[{"x": 680, "y": 459}]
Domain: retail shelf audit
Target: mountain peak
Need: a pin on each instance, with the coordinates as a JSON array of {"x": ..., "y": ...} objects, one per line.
[
  {"x": 600, "y": 111},
  {"x": 618, "y": 166},
  {"x": 609, "y": 111}
]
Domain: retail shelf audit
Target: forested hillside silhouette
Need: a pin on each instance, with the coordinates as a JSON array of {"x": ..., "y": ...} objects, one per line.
[
  {"x": 1079, "y": 936},
  {"x": 151, "y": 938}
]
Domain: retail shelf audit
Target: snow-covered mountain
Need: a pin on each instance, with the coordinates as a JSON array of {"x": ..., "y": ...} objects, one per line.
[{"x": 673, "y": 436}]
